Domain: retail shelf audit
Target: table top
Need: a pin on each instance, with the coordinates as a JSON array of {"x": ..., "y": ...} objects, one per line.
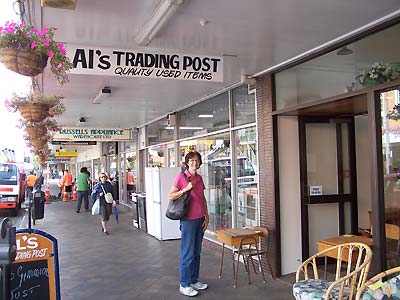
[
  {"x": 347, "y": 238},
  {"x": 232, "y": 236}
]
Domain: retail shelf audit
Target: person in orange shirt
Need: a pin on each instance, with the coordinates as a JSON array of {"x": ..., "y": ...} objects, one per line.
[
  {"x": 30, "y": 182},
  {"x": 67, "y": 182},
  {"x": 130, "y": 181}
]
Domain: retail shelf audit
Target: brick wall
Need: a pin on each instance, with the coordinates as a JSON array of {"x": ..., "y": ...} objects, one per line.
[{"x": 266, "y": 164}]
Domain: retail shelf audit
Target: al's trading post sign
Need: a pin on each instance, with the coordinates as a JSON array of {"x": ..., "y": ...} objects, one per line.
[
  {"x": 145, "y": 64},
  {"x": 93, "y": 134},
  {"x": 34, "y": 274}
]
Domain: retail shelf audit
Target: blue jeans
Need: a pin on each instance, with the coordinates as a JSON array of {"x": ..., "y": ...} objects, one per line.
[
  {"x": 85, "y": 196},
  {"x": 191, "y": 241}
]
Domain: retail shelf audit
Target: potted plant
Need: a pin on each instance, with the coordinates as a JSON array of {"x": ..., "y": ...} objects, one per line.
[
  {"x": 26, "y": 50},
  {"x": 378, "y": 73},
  {"x": 35, "y": 107}
]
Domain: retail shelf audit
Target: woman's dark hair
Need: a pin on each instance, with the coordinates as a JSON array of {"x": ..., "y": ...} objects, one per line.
[
  {"x": 83, "y": 170},
  {"x": 190, "y": 155}
]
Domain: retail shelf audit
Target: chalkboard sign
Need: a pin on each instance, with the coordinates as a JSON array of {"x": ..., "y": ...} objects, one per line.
[
  {"x": 29, "y": 280},
  {"x": 34, "y": 275}
]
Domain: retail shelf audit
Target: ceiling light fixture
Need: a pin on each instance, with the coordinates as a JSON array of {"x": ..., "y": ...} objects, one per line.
[
  {"x": 185, "y": 128},
  {"x": 344, "y": 51},
  {"x": 104, "y": 93},
  {"x": 81, "y": 121},
  {"x": 206, "y": 116},
  {"x": 160, "y": 16}
]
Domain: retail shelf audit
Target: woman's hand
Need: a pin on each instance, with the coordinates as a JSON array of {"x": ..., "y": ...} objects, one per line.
[
  {"x": 205, "y": 223},
  {"x": 114, "y": 203},
  {"x": 188, "y": 187}
]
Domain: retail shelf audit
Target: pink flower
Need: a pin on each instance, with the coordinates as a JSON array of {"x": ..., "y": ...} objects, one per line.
[
  {"x": 43, "y": 32},
  {"x": 33, "y": 45},
  {"x": 62, "y": 49},
  {"x": 46, "y": 42},
  {"x": 51, "y": 54}
]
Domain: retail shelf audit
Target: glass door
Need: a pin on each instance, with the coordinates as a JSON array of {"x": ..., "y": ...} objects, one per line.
[
  {"x": 327, "y": 160},
  {"x": 390, "y": 113}
]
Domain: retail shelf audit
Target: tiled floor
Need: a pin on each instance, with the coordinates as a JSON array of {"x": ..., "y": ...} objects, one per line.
[{"x": 130, "y": 264}]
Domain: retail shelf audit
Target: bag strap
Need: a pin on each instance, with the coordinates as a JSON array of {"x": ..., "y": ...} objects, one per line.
[{"x": 103, "y": 189}]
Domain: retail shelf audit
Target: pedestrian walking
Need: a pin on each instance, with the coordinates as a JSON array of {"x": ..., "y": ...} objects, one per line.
[
  {"x": 67, "y": 183},
  {"x": 83, "y": 187},
  {"x": 98, "y": 194}
]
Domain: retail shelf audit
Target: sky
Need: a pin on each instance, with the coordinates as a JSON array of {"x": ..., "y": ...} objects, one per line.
[{"x": 10, "y": 82}]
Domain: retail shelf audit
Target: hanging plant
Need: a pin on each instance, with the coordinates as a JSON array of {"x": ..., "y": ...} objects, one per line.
[
  {"x": 378, "y": 73},
  {"x": 26, "y": 50},
  {"x": 35, "y": 107},
  {"x": 394, "y": 114}
]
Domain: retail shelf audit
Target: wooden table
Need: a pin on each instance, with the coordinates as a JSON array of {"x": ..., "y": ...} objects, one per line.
[
  {"x": 232, "y": 237},
  {"x": 338, "y": 240}
]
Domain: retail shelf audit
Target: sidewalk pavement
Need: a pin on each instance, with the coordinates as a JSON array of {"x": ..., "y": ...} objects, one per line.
[{"x": 130, "y": 264}]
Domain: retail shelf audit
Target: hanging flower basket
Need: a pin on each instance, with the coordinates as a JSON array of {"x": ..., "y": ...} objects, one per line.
[
  {"x": 23, "y": 61},
  {"x": 38, "y": 143},
  {"x": 34, "y": 112},
  {"x": 35, "y": 132},
  {"x": 26, "y": 50}
]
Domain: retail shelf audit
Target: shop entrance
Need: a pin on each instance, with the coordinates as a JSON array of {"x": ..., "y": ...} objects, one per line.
[{"x": 328, "y": 179}]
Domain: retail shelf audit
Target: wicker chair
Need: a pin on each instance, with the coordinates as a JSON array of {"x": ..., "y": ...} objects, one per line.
[
  {"x": 389, "y": 289},
  {"x": 352, "y": 265}
]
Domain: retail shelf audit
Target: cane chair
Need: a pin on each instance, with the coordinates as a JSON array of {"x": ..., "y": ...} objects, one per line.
[
  {"x": 375, "y": 288},
  {"x": 352, "y": 265}
]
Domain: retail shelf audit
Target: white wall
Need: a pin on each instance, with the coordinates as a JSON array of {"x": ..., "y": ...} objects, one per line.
[
  {"x": 289, "y": 181},
  {"x": 363, "y": 170},
  {"x": 89, "y": 152}
]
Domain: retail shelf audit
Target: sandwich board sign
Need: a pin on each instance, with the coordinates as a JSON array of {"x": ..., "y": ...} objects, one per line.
[{"x": 34, "y": 275}]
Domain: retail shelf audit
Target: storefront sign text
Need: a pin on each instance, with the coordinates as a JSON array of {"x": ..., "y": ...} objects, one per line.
[{"x": 130, "y": 63}]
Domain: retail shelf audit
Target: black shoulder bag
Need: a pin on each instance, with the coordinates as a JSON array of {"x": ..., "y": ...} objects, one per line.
[{"x": 178, "y": 209}]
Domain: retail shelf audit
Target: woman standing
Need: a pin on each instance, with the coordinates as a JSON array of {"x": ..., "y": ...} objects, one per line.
[
  {"x": 99, "y": 190},
  {"x": 193, "y": 226}
]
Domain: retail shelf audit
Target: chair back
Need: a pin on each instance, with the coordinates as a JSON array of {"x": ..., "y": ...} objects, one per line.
[
  {"x": 375, "y": 279},
  {"x": 352, "y": 265},
  {"x": 264, "y": 233}
]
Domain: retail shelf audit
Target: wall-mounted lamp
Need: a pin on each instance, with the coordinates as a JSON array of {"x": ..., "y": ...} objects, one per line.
[
  {"x": 104, "y": 93},
  {"x": 160, "y": 16},
  {"x": 344, "y": 51}
]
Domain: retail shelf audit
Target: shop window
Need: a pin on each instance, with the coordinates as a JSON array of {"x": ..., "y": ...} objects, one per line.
[
  {"x": 159, "y": 132},
  {"x": 244, "y": 111},
  {"x": 337, "y": 72},
  {"x": 247, "y": 178},
  {"x": 215, "y": 170},
  {"x": 156, "y": 156},
  {"x": 207, "y": 116}
]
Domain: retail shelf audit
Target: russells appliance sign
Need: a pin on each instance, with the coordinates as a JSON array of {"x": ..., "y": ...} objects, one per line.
[
  {"x": 144, "y": 64},
  {"x": 93, "y": 134}
]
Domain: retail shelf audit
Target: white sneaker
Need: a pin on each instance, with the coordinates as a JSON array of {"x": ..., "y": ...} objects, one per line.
[
  {"x": 188, "y": 291},
  {"x": 199, "y": 286}
]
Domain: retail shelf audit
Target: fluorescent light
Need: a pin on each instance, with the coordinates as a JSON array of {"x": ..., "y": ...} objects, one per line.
[
  {"x": 191, "y": 128},
  {"x": 185, "y": 128},
  {"x": 104, "y": 93},
  {"x": 160, "y": 16},
  {"x": 206, "y": 116}
]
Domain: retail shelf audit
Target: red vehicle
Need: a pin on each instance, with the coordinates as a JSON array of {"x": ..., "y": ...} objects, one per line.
[{"x": 11, "y": 187}]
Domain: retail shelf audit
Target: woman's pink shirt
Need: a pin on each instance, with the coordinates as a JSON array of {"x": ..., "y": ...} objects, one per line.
[{"x": 196, "y": 209}]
